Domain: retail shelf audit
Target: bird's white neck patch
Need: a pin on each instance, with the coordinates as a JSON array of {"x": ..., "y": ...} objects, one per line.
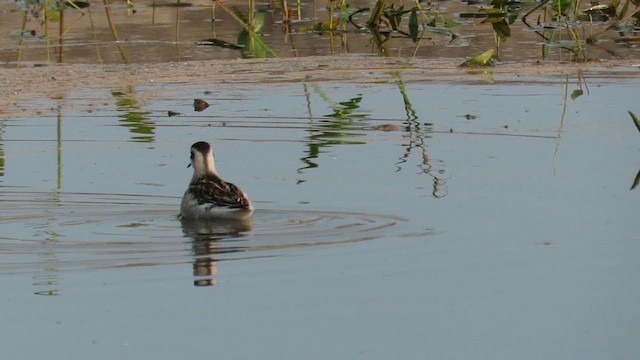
[{"x": 203, "y": 164}]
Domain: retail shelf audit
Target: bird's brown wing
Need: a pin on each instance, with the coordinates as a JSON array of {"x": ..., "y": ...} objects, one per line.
[{"x": 212, "y": 189}]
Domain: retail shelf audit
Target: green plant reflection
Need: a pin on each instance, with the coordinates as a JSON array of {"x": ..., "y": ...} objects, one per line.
[
  {"x": 133, "y": 117},
  {"x": 417, "y": 135},
  {"x": 339, "y": 127}
]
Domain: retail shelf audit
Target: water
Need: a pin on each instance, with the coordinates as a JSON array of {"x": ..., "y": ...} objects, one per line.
[
  {"x": 157, "y": 31},
  {"x": 490, "y": 222}
]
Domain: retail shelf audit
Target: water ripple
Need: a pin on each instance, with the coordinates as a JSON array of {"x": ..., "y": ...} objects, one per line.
[{"x": 86, "y": 231}]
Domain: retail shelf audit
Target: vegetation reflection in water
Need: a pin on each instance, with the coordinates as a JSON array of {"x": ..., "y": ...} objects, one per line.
[
  {"x": 344, "y": 123},
  {"x": 136, "y": 120},
  {"x": 337, "y": 128},
  {"x": 563, "y": 28}
]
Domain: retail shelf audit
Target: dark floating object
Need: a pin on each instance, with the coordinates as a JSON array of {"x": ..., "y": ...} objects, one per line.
[
  {"x": 474, "y": 2},
  {"x": 577, "y": 93},
  {"x": 597, "y": 13},
  {"x": 219, "y": 43},
  {"x": 470, "y": 117},
  {"x": 199, "y": 105},
  {"x": 478, "y": 15},
  {"x": 78, "y": 4},
  {"x": 386, "y": 127},
  {"x": 173, "y": 113},
  {"x": 173, "y": 5}
]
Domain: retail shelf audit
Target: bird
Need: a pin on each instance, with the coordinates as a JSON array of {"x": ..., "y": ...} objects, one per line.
[{"x": 208, "y": 197}]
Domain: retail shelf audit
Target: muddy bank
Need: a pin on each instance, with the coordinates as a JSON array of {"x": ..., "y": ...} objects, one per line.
[{"x": 57, "y": 81}]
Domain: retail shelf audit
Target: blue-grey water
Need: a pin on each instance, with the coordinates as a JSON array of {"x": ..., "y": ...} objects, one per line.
[{"x": 459, "y": 221}]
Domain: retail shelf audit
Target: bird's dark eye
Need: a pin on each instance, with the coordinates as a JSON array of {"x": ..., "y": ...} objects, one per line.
[{"x": 192, "y": 155}]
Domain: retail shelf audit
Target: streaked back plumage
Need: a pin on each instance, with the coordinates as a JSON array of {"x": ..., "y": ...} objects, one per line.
[{"x": 208, "y": 196}]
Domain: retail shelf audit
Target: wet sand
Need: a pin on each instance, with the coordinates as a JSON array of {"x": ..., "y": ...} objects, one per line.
[{"x": 56, "y": 81}]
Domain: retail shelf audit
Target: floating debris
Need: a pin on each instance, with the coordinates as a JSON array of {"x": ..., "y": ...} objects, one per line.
[
  {"x": 172, "y": 5},
  {"x": 385, "y": 127},
  {"x": 173, "y": 113},
  {"x": 219, "y": 43},
  {"x": 597, "y": 13},
  {"x": 75, "y": 4},
  {"x": 199, "y": 105}
]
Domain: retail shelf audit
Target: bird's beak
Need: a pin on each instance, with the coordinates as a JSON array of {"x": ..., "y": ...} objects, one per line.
[{"x": 188, "y": 166}]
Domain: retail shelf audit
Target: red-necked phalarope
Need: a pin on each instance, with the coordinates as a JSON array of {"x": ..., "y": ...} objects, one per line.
[{"x": 208, "y": 196}]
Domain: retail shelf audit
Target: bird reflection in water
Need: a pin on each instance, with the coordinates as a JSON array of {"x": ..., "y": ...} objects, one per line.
[{"x": 210, "y": 238}]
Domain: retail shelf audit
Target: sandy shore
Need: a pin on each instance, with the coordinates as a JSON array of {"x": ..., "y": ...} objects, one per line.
[{"x": 57, "y": 81}]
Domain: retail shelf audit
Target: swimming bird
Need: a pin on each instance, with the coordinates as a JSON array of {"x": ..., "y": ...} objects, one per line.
[{"x": 209, "y": 197}]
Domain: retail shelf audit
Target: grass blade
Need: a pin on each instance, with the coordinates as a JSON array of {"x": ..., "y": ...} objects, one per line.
[{"x": 635, "y": 120}]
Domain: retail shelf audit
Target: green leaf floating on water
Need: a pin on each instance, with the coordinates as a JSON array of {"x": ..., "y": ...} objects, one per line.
[
  {"x": 483, "y": 59},
  {"x": 576, "y": 93},
  {"x": 635, "y": 120}
]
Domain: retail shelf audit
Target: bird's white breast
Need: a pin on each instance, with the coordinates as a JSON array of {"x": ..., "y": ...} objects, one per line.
[{"x": 190, "y": 208}]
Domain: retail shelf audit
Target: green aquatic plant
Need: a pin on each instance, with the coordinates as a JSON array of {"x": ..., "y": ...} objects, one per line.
[
  {"x": 394, "y": 15},
  {"x": 635, "y": 119},
  {"x": 484, "y": 59},
  {"x": 376, "y": 14},
  {"x": 621, "y": 18},
  {"x": 68, "y": 15},
  {"x": 500, "y": 16},
  {"x": 565, "y": 24},
  {"x": 560, "y": 7},
  {"x": 574, "y": 25},
  {"x": 250, "y": 41},
  {"x": 385, "y": 20},
  {"x": 636, "y": 181}
]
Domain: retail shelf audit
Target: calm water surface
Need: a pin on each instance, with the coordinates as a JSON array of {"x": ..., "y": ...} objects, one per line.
[{"x": 395, "y": 220}]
